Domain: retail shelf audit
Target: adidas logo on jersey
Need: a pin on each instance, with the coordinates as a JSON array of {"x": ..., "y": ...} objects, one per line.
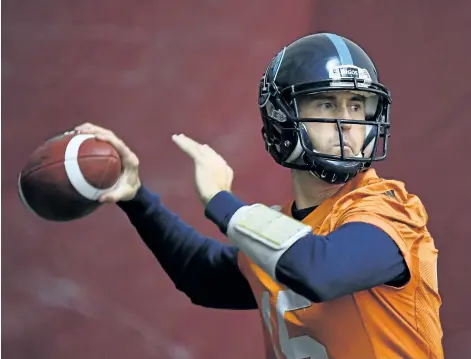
[{"x": 390, "y": 193}]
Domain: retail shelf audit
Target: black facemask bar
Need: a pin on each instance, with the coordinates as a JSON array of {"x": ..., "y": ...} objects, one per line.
[
  {"x": 379, "y": 128},
  {"x": 378, "y": 134}
]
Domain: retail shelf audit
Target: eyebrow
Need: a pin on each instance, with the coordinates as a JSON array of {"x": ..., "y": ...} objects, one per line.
[{"x": 332, "y": 98}]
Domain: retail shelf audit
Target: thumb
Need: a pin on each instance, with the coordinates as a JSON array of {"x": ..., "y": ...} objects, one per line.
[
  {"x": 110, "y": 197},
  {"x": 114, "y": 195}
]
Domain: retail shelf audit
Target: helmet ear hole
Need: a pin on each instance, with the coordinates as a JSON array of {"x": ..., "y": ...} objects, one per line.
[
  {"x": 275, "y": 113},
  {"x": 285, "y": 106}
]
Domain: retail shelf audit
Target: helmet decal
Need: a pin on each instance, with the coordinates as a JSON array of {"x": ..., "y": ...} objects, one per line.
[
  {"x": 342, "y": 49},
  {"x": 276, "y": 64}
]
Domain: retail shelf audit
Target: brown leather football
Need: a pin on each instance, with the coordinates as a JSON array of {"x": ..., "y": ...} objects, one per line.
[{"x": 64, "y": 177}]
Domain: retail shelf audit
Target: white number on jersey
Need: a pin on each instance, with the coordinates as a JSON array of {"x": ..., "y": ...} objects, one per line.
[{"x": 292, "y": 348}]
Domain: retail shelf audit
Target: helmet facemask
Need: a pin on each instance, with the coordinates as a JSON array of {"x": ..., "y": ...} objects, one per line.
[
  {"x": 287, "y": 139},
  {"x": 313, "y": 65}
]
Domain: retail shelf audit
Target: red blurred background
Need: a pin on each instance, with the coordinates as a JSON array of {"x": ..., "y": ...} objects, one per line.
[{"x": 148, "y": 69}]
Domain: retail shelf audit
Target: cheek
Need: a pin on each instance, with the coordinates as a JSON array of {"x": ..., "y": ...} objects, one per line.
[
  {"x": 317, "y": 130},
  {"x": 358, "y": 133},
  {"x": 320, "y": 133},
  {"x": 359, "y": 130}
]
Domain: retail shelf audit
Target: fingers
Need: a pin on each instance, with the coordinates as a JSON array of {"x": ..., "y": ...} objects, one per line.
[
  {"x": 210, "y": 150},
  {"x": 127, "y": 156},
  {"x": 113, "y": 196},
  {"x": 189, "y": 146},
  {"x": 93, "y": 129},
  {"x": 198, "y": 152}
]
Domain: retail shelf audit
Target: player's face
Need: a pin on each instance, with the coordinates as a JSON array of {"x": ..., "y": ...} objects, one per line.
[{"x": 342, "y": 105}]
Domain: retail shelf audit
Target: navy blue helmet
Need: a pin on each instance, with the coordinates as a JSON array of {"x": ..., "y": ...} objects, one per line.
[{"x": 313, "y": 64}]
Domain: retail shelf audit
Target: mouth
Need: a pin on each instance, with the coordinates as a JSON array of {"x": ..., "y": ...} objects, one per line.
[
  {"x": 347, "y": 149},
  {"x": 345, "y": 144}
]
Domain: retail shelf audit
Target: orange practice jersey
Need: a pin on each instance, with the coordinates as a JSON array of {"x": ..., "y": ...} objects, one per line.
[{"x": 380, "y": 323}]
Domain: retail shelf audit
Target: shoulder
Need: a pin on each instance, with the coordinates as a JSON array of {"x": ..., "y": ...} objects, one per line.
[
  {"x": 388, "y": 205},
  {"x": 383, "y": 198}
]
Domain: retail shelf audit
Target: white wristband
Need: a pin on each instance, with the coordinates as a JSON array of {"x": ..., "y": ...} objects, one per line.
[{"x": 264, "y": 234}]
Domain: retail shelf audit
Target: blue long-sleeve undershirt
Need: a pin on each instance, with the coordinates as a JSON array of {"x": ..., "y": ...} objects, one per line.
[
  {"x": 357, "y": 256},
  {"x": 205, "y": 269}
]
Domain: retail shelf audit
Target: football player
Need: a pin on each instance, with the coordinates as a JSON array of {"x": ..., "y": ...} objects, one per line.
[{"x": 345, "y": 270}]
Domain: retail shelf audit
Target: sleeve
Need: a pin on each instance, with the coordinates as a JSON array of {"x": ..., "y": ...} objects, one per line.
[
  {"x": 402, "y": 217},
  {"x": 323, "y": 268},
  {"x": 201, "y": 267}
]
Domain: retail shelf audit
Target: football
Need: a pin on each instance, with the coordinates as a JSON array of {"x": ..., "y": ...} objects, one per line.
[{"x": 63, "y": 178}]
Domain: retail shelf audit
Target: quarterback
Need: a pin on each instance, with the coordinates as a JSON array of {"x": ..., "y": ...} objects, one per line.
[{"x": 347, "y": 269}]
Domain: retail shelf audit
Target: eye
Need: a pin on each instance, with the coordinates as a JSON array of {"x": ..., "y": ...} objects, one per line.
[
  {"x": 356, "y": 107},
  {"x": 325, "y": 105}
]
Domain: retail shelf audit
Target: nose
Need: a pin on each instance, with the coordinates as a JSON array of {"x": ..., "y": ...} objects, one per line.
[
  {"x": 346, "y": 126},
  {"x": 344, "y": 114}
]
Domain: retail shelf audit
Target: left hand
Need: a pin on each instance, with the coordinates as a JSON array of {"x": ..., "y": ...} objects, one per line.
[{"x": 212, "y": 173}]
